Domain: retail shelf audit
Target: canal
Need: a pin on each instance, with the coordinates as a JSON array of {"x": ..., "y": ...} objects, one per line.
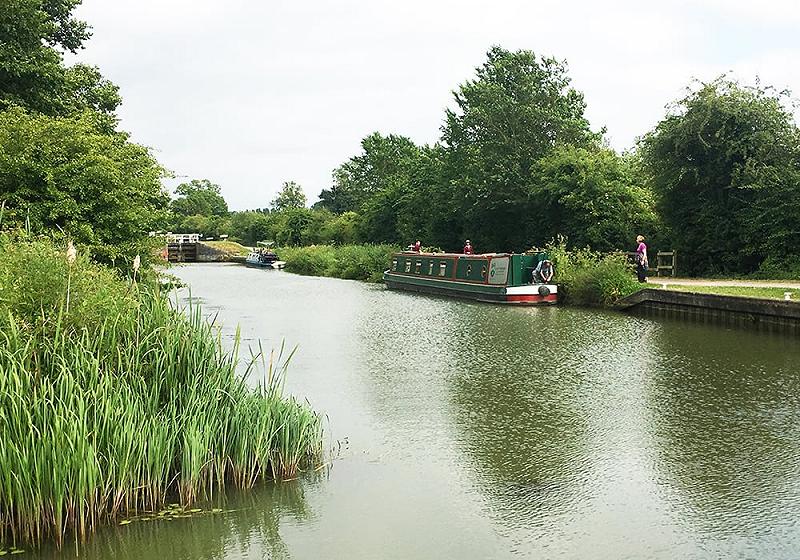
[{"x": 462, "y": 430}]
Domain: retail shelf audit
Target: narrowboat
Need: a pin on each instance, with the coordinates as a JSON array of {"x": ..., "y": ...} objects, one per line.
[
  {"x": 263, "y": 259},
  {"x": 490, "y": 277}
]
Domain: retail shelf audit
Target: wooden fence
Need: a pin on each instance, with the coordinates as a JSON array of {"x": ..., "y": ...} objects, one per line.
[{"x": 666, "y": 262}]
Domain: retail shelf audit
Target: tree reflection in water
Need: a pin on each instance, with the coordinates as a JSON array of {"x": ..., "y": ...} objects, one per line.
[{"x": 727, "y": 421}]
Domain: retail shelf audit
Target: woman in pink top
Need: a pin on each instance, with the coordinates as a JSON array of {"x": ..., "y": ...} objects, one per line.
[{"x": 641, "y": 259}]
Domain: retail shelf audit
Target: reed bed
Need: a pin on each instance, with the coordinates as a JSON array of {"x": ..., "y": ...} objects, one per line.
[{"x": 120, "y": 401}]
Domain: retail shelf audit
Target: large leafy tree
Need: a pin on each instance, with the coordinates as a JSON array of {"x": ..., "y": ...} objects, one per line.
[
  {"x": 724, "y": 164},
  {"x": 518, "y": 109},
  {"x": 34, "y": 34},
  {"x": 291, "y": 196},
  {"x": 199, "y": 197},
  {"x": 384, "y": 161},
  {"x": 67, "y": 174},
  {"x": 592, "y": 198}
]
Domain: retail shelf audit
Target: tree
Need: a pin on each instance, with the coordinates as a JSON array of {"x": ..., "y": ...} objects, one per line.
[
  {"x": 33, "y": 36},
  {"x": 518, "y": 109},
  {"x": 341, "y": 229},
  {"x": 290, "y": 196},
  {"x": 69, "y": 175},
  {"x": 383, "y": 161},
  {"x": 590, "y": 197},
  {"x": 292, "y": 226},
  {"x": 724, "y": 166},
  {"x": 199, "y": 198},
  {"x": 250, "y": 227}
]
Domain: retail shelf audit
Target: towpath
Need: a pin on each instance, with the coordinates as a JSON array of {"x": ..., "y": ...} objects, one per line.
[{"x": 791, "y": 284}]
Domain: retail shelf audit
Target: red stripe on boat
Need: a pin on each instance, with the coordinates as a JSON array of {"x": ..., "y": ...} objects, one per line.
[{"x": 532, "y": 297}]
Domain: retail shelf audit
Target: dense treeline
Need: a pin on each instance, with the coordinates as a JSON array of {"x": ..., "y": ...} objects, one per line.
[{"x": 518, "y": 165}]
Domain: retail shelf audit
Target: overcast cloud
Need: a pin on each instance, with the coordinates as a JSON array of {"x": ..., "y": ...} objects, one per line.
[{"x": 252, "y": 93}]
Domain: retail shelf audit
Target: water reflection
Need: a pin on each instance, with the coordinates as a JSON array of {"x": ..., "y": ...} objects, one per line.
[
  {"x": 727, "y": 421},
  {"x": 249, "y": 527},
  {"x": 478, "y": 431}
]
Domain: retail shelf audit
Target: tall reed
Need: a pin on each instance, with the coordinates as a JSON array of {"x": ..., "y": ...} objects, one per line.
[{"x": 111, "y": 406}]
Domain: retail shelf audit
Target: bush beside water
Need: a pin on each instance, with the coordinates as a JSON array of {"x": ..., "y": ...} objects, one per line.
[
  {"x": 112, "y": 401},
  {"x": 352, "y": 262},
  {"x": 589, "y": 278}
]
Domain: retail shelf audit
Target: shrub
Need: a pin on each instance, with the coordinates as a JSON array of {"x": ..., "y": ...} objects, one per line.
[
  {"x": 352, "y": 262},
  {"x": 589, "y": 278}
]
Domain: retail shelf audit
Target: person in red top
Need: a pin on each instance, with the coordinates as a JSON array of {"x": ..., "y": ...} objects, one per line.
[
  {"x": 467, "y": 248},
  {"x": 417, "y": 246}
]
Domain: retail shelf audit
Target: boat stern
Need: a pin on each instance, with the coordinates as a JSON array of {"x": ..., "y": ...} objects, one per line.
[{"x": 532, "y": 294}]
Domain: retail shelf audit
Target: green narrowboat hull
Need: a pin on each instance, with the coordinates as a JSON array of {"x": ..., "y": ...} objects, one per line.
[{"x": 494, "y": 278}]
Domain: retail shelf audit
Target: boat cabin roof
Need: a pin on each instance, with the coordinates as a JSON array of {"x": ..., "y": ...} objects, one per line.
[{"x": 439, "y": 255}]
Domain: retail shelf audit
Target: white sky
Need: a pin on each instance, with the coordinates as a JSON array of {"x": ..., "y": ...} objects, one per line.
[{"x": 252, "y": 93}]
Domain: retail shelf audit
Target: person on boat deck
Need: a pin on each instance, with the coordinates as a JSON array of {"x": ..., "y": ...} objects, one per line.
[
  {"x": 417, "y": 246},
  {"x": 543, "y": 272},
  {"x": 467, "y": 248}
]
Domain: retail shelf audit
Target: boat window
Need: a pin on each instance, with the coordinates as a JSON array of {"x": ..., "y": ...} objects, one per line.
[
  {"x": 430, "y": 269},
  {"x": 418, "y": 267},
  {"x": 394, "y": 264},
  {"x": 408, "y": 266},
  {"x": 483, "y": 271},
  {"x": 469, "y": 269},
  {"x": 442, "y": 269}
]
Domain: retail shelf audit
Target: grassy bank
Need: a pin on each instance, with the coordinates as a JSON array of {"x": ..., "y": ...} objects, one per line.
[
  {"x": 745, "y": 291},
  {"x": 352, "y": 262},
  {"x": 112, "y": 401},
  {"x": 593, "y": 279},
  {"x": 228, "y": 247}
]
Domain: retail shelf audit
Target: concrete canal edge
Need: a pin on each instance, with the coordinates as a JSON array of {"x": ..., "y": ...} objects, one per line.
[{"x": 762, "y": 314}]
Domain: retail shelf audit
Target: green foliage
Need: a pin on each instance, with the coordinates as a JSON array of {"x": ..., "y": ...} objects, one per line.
[
  {"x": 199, "y": 198},
  {"x": 339, "y": 229},
  {"x": 291, "y": 226},
  {"x": 250, "y": 227},
  {"x": 590, "y": 278},
  {"x": 517, "y": 165},
  {"x": 591, "y": 198},
  {"x": 113, "y": 401},
  {"x": 352, "y": 262},
  {"x": 35, "y": 278},
  {"x": 385, "y": 162},
  {"x": 200, "y": 208},
  {"x": 724, "y": 166},
  {"x": 68, "y": 175},
  {"x": 33, "y": 34},
  {"x": 290, "y": 197},
  {"x": 516, "y": 111}
]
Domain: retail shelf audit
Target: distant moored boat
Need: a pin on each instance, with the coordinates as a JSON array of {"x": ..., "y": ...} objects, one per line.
[
  {"x": 263, "y": 259},
  {"x": 490, "y": 277}
]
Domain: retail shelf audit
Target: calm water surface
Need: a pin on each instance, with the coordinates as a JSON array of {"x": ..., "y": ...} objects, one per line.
[{"x": 477, "y": 431}]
